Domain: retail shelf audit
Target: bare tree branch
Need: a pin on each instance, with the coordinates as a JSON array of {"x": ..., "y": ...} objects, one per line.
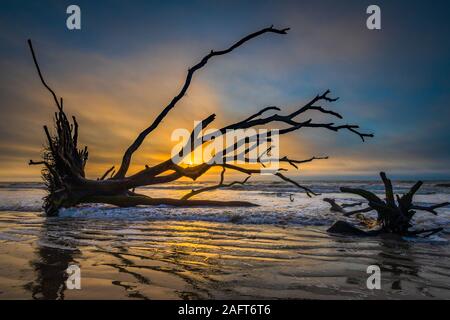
[
  {"x": 289, "y": 120},
  {"x": 340, "y": 208},
  {"x": 349, "y": 205},
  {"x": 221, "y": 184},
  {"x": 308, "y": 191},
  {"x": 369, "y": 196},
  {"x": 58, "y": 104},
  {"x": 430, "y": 209},
  {"x": 388, "y": 190},
  {"x": 136, "y": 144},
  {"x": 294, "y": 163},
  {"x": 106, "y": 173}
]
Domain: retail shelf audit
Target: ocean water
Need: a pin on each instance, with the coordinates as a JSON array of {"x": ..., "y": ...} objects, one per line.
[{"x": 279, "y": 249}]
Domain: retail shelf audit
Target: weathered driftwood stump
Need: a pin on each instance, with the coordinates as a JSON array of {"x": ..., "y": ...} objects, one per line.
[{"x": 394, "y": 213}]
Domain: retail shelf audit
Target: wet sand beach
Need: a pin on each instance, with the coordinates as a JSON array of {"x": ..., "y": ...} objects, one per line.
[{"x": 280, "y": 250}]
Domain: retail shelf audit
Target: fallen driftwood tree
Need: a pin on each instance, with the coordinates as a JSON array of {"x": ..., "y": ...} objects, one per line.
[
  {"x": 64, "y": 163},
  {"x": 394, "y": 214}
]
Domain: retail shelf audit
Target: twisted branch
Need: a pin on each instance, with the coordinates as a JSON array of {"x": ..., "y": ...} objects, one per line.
[
  {"x": 137, "y": 143},
  {"x": 217, "y": 186}
]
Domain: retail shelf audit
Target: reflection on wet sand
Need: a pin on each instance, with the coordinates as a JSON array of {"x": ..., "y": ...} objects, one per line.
[
  {"x": 211, "y": 260},
  {"x": 278, "y": 250},
  {"x": 50, "y": 265},
  {"x": 395, "y": 259}
]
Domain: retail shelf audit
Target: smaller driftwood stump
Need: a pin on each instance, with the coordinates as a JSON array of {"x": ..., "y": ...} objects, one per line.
[{"x": 395, "y": 213}]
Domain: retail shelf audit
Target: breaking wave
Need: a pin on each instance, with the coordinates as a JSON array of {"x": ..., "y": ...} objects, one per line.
[{"x": 273, "y": 198}]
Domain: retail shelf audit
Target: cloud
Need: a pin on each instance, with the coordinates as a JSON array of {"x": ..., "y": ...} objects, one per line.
[{"x": 127, "y": 64}]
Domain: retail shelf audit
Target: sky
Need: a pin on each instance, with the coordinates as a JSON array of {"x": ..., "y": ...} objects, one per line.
[{"x": 130, "y": 58}]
